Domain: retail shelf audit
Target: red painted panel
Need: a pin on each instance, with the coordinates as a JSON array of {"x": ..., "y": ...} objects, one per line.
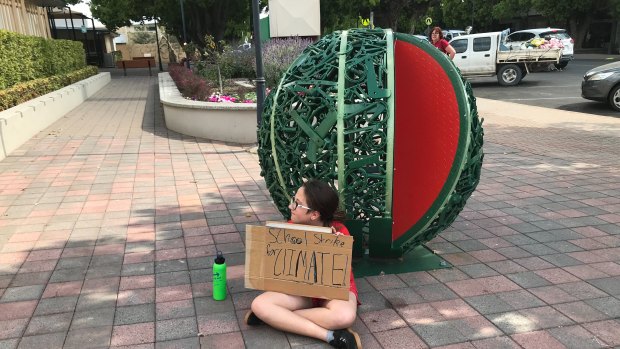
[{"x": 426, "y": 134}]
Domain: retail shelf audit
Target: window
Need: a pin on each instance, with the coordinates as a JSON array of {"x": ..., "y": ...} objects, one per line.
[
  {"x": 520, "y": 37},
  {"x": 459, "y": 46},
  {"x": 482, "y": 44}
]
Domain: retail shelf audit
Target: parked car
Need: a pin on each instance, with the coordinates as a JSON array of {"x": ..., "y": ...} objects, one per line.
[
  {"x": 422, "y": 37},
  {"x": 519, "y": 38},
  {"x": 450, "y": 34},
  {"x": 603, "y": 84}
]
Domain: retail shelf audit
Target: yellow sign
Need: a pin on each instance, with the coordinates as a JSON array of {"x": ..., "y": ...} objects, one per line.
[
  {"x": 428, "y": 21},
  {"x": 298, "y": 259}
]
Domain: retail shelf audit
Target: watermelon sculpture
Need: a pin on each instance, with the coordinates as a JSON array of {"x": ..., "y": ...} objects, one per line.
[{"x": 387, "y": 119}]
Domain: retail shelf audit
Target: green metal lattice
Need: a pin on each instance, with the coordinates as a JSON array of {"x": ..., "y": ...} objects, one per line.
[{"x": 310, "y": 130}]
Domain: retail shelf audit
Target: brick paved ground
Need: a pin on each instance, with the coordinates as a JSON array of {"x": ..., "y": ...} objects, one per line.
[{"x": 109, "y": 223}]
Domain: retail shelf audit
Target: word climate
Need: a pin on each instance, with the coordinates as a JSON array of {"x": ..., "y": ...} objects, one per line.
[{"x": 288, "y": 252}]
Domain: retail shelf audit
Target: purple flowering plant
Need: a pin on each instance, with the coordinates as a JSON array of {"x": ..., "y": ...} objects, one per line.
[
  {"x": 278, "y": 55},
  {"x": 203, "y": 83}
]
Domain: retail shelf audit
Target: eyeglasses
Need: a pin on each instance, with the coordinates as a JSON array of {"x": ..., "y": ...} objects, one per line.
[
  {"x": 294, "y": 204},
  {"x": 434, "y": 33}
]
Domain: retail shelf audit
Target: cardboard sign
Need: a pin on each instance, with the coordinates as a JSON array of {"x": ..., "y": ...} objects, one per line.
[{"x": 298, "y": 259}]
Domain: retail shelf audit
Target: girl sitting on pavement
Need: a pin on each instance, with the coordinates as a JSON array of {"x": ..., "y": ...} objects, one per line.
[{"x": 315, "y": 203}]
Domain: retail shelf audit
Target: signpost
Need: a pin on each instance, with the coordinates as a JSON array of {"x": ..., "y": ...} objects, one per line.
[
  {"x": 299, "y": 260},
  {"x": 428, "y": 22}
]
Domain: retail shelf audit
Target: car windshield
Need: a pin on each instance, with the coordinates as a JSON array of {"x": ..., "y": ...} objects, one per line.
[{"x": 562, "y": 35}]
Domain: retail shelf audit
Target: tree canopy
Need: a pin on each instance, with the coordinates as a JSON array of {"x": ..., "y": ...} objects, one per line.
[
  {"x": 231, "y": 19},
  {"x": 221, "y": 19}
]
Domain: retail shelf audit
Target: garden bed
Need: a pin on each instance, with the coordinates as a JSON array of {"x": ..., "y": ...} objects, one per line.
[{"x": 227, "y": 122}]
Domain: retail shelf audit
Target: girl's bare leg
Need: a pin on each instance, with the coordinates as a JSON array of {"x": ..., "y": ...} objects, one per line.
[
  {"x": 334, "y": 315},
  {"x": 278, "y": 310}
]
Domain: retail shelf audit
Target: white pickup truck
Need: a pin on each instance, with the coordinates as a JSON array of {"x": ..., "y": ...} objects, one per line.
[{"x": 479, "y": 55}]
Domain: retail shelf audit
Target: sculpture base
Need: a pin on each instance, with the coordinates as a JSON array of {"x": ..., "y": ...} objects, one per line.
[{"x": 418, "y": 259}]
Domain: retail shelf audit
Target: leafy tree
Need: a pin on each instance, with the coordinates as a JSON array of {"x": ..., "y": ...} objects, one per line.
[
  {"x": 508, "y": 9},
  {"x": 221, "y": 19},
  {"x": 462, "y": 13},
  {"x": 399, "y": 15},
  {"x": 118, "y": 13},
  {"x": 406, "y": 16},
  {"x": 231, "y": 19},
  {"x": 343, "y": 14}
]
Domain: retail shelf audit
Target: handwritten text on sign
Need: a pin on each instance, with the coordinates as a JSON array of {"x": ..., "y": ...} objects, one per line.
[{"x": 298, "y": 261}]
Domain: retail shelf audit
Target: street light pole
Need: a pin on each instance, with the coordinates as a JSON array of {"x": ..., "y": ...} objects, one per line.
[
  {"x": 260, "y": 79},
  {"x": 184, "y": 34}
]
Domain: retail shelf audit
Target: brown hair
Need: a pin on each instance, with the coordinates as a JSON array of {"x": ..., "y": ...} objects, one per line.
[
  {"x": 323, "y": 199},
  {"x": 437, "y": 29}
]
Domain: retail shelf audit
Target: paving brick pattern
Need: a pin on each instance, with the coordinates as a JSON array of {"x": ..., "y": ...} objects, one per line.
[{"x": 109, "y": 224}]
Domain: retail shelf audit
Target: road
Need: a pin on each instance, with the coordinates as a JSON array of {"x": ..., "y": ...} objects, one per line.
[{"x": 552, "y": 89}]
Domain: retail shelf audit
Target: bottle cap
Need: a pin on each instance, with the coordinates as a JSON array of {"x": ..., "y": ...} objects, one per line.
[{"x": 220, "y": 258}]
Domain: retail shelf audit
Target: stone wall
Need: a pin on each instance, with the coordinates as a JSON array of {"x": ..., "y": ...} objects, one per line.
[{"x": 142, "y": 50}]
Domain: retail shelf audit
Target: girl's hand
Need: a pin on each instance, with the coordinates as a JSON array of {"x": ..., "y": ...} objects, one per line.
[{"x": 335, "y": 232}]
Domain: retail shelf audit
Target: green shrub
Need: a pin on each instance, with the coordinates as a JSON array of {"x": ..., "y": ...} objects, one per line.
[
  {"x": 25, "y": 91},
  {"x": 233, "y": 65},
  {"x": 63, "y": 56},
  {"x": 208, "y": 71},
  {"x": 24, "y": 58}
]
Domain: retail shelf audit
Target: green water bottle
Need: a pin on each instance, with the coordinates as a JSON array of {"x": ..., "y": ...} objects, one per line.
[{"x": 219, "y": 277}]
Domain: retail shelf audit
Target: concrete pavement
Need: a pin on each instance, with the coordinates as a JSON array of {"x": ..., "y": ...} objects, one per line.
[{"x": 109, "y": 223}]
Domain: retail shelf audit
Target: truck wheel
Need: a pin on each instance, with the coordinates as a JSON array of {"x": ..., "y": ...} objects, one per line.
[
  {"x": 614, "y": 98},
  {"x": 561, "y": 65},
  {"x": 509, "y": 75}
]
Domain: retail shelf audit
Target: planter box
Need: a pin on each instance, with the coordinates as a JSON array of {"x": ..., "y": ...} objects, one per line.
[
  {"x": 227, "y": 122},
  {"x": 24, "y": 121}
]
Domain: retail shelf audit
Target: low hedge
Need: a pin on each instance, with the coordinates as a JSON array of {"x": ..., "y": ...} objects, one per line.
[
  {"x": 28, "y": 90},
  {"x": 24, "y": 58}
]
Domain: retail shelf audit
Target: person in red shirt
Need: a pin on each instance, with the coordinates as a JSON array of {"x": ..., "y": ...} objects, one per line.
[
  {"x": 314, "y": 203},
  {"x": 442, "y": 44}
]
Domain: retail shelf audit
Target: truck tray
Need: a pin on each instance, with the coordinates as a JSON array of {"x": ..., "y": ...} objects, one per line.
[{"x": 530, "y": 55}]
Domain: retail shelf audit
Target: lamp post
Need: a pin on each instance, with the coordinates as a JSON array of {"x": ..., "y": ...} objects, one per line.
[
  {"x": 184, "y": 33},
  {"x": 260, "y": 79}
]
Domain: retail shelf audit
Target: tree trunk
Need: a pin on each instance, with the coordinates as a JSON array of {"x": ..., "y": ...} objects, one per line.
[
  {"x": 613, "y": 46},
  {"x": 579, "y": 28}
]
